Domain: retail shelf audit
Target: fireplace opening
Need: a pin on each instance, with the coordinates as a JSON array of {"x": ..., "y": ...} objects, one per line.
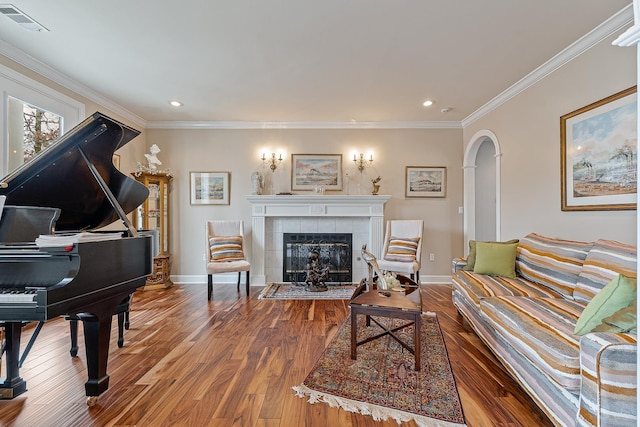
[{"x": 334, "y": 250}]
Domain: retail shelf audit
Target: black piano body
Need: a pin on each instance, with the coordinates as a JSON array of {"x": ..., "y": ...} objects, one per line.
[{"x": 87, "y": 279}]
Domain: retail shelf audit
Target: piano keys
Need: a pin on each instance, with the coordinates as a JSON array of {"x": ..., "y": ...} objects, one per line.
[{"x": 84, "y": 280}]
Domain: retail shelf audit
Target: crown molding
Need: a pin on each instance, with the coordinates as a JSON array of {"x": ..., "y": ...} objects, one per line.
[
  {"x": 601, "y": 32},
  {"x": 631, "y": 37},
  {"x": 50, "y": 73},
  {"x": 604, "y": 30},
  {"x": 301, "y": 125}
]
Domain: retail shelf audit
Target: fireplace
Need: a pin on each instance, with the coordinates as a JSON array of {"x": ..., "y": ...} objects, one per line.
[
  {"x": 334, "y": 250},
  {"x": 273, "y": 215}
]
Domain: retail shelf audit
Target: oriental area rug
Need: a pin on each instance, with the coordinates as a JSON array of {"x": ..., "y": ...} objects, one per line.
[
  {"x": 285, "y": 291},
  {"x": 382, "y": 382}
]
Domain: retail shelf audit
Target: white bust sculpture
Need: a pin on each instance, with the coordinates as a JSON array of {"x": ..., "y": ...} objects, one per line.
[{"x": 153, "y": 157}]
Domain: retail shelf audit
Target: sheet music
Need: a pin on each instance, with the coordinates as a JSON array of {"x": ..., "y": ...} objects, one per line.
[{"x": 68, "y": 239}]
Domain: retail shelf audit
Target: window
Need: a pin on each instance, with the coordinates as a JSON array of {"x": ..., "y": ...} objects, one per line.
[
  {"x": 31, "y": 129},
  {"x": 32, "y": 116}
]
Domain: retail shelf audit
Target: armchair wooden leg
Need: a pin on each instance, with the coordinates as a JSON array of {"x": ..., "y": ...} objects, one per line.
[
  {"x": 239, "y": 277},
  {"x": 209, "y": 286},
  {"x": 247, "y": 281},
  {"x": 418, "y": 278}
]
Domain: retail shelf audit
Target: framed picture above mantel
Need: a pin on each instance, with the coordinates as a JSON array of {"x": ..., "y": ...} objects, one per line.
[
  {"x": 312, "y": 171},
  {"x": 598, "y": 155}
]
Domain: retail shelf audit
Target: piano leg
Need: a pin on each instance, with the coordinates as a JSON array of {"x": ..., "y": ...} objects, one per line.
[
  {"x": 13, "y": 384},
  {"x": 97, "y": 331},
  {"x": 73, "y": 329}
]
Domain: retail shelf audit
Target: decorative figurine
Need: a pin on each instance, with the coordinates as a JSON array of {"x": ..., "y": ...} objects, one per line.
[
  {"x": 376, "y": 186},
  {"x": 152, "y": 158},
  {"x": 257, "y": 183},
  {"x": 316, "y": 274}
]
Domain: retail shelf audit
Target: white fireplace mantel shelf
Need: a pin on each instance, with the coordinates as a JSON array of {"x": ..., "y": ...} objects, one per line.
[
  {"x": 318, "y": 205},
  {"x": 370, "y": 207}
]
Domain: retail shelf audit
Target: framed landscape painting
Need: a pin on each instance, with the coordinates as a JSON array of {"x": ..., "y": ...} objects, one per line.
[
  {"x": 312, "y": 170},
  {"x": 598, "y": 155},
  {"x": 209, "y": 188},
  {"x": 421, "y": 181}
]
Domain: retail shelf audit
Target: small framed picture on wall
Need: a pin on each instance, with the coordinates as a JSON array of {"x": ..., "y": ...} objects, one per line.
[
  {"x": 209, "y": 188},
  {"x": 425, "y": 181}
]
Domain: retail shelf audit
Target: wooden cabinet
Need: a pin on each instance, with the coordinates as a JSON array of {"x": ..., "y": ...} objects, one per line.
[{"x": 153, "y": 215}]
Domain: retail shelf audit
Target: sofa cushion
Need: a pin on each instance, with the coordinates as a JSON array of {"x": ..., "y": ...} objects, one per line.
[
  {"x": 471, "y": 258},
  {"x": 613, "y": 297},
  {"x": 624, "y": 320},
  {"x": 479, "y": 286},
  {"x": 540, "y": 329},
  {"x": 555, "y": 263},
  {"x": 604, "y": 262},
  {"x": 496, "y": 259}
]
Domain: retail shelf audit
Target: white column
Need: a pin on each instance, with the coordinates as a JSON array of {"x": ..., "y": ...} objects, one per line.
[
  {"x": 258, "y": 239},
  {"x": 376, "y": 235}
]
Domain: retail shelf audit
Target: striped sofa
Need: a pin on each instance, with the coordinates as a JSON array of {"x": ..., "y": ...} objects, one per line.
[{"x": 528, "y": 323}]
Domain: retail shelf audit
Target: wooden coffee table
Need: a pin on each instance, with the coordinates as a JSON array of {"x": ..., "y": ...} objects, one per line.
[{"x": 396, "y": 305}]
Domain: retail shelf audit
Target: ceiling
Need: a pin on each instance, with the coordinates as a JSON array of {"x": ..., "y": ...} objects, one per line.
[{"x": 299, "y": 60}]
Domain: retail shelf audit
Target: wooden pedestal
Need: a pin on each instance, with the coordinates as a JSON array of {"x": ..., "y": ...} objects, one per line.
[{"x": 159, "y": 278}]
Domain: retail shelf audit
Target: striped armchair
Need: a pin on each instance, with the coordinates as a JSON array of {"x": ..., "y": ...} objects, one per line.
[{"x": 528, "y": 323}]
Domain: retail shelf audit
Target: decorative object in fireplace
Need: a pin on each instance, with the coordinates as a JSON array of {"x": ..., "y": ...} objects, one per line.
[{"x": 323, "y": 257}]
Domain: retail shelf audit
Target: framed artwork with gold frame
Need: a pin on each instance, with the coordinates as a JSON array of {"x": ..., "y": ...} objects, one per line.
[{"x": 598, "y": 155}]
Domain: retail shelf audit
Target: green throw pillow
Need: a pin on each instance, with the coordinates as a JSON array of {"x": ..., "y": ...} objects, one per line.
[
  {"x": 613, "y": 297},
  {"x": 624, "y": 320},
  {"x": 471, "y": 258},
  {"x": 496, "y": 259}
]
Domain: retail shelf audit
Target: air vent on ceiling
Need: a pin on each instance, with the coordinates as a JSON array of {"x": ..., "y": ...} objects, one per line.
[{"x": 21, "y": 18}]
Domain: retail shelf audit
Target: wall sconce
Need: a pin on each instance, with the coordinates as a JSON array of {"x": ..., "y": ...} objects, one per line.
[
  {"x": 361, "y": 162},
  {"x": 272, "y": 161}
]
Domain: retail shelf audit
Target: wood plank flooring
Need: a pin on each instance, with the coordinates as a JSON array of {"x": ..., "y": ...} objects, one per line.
[{"x": 232, "y": 362}]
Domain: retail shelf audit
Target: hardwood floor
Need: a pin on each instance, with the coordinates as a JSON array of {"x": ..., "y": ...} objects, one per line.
[{"x": 232, "y": 362}]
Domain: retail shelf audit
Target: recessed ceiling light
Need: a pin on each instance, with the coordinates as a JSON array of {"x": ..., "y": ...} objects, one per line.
[
  {"x": 427, "y": 103},
  {"x": 176, "y": 103}
]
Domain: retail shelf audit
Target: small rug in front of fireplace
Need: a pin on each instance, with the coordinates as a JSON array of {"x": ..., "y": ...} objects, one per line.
[{"x": 291, "y": 291}]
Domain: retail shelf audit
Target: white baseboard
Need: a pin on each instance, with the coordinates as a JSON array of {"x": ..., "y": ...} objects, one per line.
[{"x": 184, "y": 279}]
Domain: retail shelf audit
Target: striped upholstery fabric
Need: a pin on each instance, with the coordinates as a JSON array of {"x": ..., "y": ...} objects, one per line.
[
  {"x": 402, "y": 249},
  {"x": 555, "y": 263},
  {"x": 541, "y": 329},
  {"x": 458, "y": 264},
  {"x": 605, "y": 261},
  {"x": 608, "y": 391},
  {"x": 226, "y": 248},
  {"x": 479, "y": 286},
  {"x": 528, "y": 324},
  {"x": 558, "y": 403}
]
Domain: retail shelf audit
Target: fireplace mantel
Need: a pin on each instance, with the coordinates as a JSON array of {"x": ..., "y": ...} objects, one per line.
[{"x": 370, "y": 207}]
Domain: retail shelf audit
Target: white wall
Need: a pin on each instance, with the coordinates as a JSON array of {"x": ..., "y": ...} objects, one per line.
[
  {"x": 238, "y": 152},
  {"x": 528, "y": 128}
]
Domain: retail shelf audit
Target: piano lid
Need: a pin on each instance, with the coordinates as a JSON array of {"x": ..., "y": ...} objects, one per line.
[{"x": 67, "y": 175}]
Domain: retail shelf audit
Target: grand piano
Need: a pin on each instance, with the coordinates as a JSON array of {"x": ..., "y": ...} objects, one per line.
[{"x": 75, "y": 180}]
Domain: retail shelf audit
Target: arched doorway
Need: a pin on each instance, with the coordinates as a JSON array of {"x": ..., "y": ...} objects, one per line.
[{"x": 482, "y": 188}]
